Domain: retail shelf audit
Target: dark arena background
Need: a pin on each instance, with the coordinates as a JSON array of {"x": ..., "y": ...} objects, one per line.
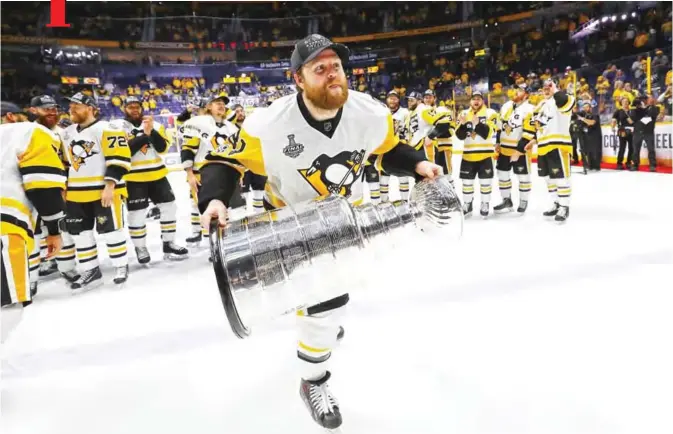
[{"x": 521, "y": 326}]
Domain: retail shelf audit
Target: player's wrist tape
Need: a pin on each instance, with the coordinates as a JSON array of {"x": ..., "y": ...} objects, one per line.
[{"x": 55, "y": 224}]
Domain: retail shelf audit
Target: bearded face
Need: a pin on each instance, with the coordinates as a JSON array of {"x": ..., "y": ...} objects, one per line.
[
  {"x": 476, "y": 102},
  {"x": 519, "y": 96},
  {"x": 240, "y": 114},
  {"x": 80, "y": 113},
  {"x": 47, "y": 116},
  {"x": 134, "y": 111},
  {"x": 412, "y": 103},
  {"x": 323, "y": 81},
  {"x": 393, "y": 103}
]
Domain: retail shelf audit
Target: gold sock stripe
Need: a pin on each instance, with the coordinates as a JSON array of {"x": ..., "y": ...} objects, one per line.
[
  {"x": 87, "y": 254},
  {"x": 114, "y": 250},
  {"x": 310, "y": 349}
]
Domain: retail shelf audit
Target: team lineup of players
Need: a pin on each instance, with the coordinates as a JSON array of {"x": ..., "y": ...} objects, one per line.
[{"x": 127, "y": 153}]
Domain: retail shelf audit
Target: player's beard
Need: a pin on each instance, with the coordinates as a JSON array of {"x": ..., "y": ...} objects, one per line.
[
  {"x": 324, "y": 99},
  {"x": 48, "y": 121}
]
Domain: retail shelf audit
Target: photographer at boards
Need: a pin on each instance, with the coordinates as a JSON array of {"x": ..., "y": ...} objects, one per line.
[
  {"x": 644, "y": 115},
  {"x": 591, "y": 137}
]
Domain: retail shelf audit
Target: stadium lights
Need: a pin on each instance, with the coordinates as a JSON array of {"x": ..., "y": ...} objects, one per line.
[
  {"x": 623, "y": 16},
  {"x": 633, "y": 14},
  {"x": 467, "y": 50},
  {"x": 604, "y": 19},
  {"x": 613, "y": 18}
]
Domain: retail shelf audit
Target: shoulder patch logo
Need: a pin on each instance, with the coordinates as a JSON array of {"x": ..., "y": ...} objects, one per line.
[{"x": 293, "y": 149}]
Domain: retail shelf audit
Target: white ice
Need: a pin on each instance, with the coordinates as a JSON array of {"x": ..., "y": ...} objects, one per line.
[{"x": 523, "y": 326}]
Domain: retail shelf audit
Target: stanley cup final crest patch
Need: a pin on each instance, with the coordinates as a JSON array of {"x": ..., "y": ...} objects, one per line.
[{"x": 293, "y": 149}]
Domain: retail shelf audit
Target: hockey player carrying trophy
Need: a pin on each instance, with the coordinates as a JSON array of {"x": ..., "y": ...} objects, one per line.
[{"x": 312, "y": 145}]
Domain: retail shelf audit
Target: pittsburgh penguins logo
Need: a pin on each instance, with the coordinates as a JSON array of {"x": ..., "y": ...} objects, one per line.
[
  {"x": 219, "y": 142},
  {"x": 80, "y": 150},
  {"x": 334, "y": 175}
]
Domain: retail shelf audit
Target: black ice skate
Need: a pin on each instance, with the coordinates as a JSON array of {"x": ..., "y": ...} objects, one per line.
[
  {"x": 47, "y": 268},
  {"x": 154, "y": 213},
  {"x": 33, "y": 289},
  {"x": 88, "y": 280},
  {"x": 552, "y": 211},
  {"x": 194, "y": 240},
  {"x": 70, "y": 275},
  {"x": 320, "y": 402},
  {"x": 143, "y": 255},
  {"x": 563, "y": 214},
  {"x": 523, "y": 205},
  {"x": 485, "y": 209},
  {"x": 174, "y": 252},
  {"x": 467, "y": 209},
  {"x": 121, "y": 274},
  {"x": 504, "y": 207}
]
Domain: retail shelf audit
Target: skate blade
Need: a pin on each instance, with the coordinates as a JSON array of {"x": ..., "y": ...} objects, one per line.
[
  {"x": 120, "y": 285},
  {"x": 503, "y": 211},
  {"x": 87, "y": 288},
  {"x": 172, "y": 257}
]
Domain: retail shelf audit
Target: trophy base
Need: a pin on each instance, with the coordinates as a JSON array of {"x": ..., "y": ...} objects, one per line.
[{"x": 224, "y": 285}]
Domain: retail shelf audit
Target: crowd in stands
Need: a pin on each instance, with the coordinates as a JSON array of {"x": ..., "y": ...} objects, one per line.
[
  {"x": 601, "y": 67},
  {"x": 247, "y": 21}
]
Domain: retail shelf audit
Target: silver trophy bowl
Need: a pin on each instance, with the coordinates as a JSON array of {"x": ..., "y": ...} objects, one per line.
[{"x": 282, "y": 261}]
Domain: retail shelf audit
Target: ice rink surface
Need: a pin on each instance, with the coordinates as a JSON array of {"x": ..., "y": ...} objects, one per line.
[{"x": 523, "y": 326}]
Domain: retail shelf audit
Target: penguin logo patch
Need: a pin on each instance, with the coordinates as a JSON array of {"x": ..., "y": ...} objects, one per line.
[
  {"x": 293, "y": 149},
  {"x": 334, "y": 175},
  {"x": 219, "y": 142},
  {"x": 80, "y": 150}
]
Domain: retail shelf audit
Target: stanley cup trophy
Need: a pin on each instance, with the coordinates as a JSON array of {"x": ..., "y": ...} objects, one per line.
[{"x": 281, "y": 261}]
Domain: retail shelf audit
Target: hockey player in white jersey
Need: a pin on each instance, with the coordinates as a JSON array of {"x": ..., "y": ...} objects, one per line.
[
  {"x": 477, "y": 127},
  {"x": 147, "y": 181},
  {"x": 515, "y": 133},
  {"x": 99, "y": 158},
  {"x": 554, "y": 146},
  {"x": 32, "y": 183},
  {"x": 378, "y": 183},
  {"x": 46, "y": 112},
  {"x": 254, "y": 184},
  {"x": 439, "y": 140},
  {"x": 311, "y": 144},
  {"x": 202, "y": 135}
]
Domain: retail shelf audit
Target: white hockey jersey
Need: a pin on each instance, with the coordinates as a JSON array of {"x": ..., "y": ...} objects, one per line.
[
  {"x": 513, "y": 119},
  {"x": 552, "y": 119},
  {"x": 146, "y": 164},
  {"x": 29, "y": 162},
  {"x": 419, "y": 123},
  {"x": 400, "y": 123},
  {"x": 201, "y": 136},
  {"x": 476, "y": 147},
  {"x": 304, "y": 158},
  {"x": 95, "y": 154}
]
